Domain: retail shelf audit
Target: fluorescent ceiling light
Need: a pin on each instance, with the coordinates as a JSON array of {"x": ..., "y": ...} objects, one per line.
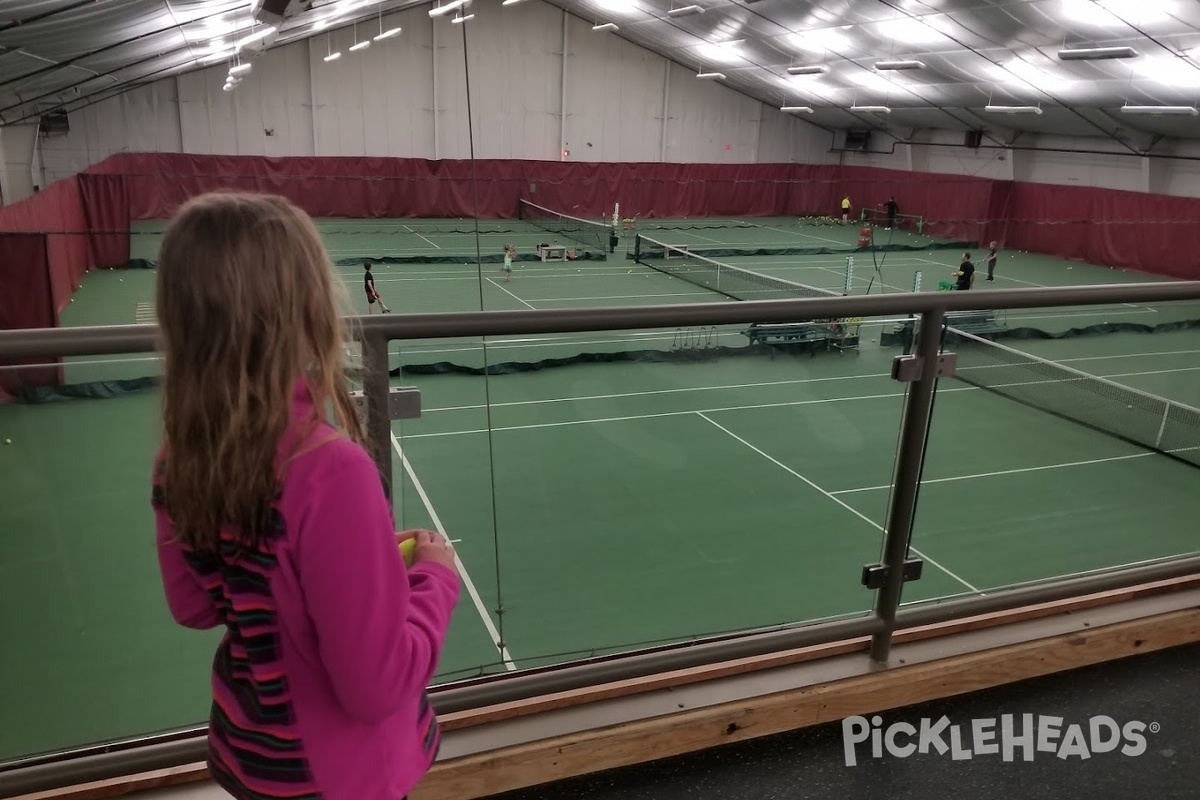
[
  {"x": 333, "y": 56},
  {"x": 899, "y": 65},
  {"x": 1012, "y": 109},
  {"x": 387, "y": 34},
  {"x": 453, "y": 5},
  {"x": 363, "y": 45},
  {"x": 685, "y": 11},
  {"x": 608, "y": 26},
  {"x": 872, "y": 109},
  {"x": 510, "y": 2},
  {"x": 1158, "y": 110},
  {"x": 460, "y": 19},
  {"x": 240, "y": 68},
  {"x": 711, "y": 76},
  {"x": 809, "y": 69},
  {"x": 1096, "y": 53},
  {"x": 254, "y": 37},
  {"x": 796, "y": 109},
  {"x": 227, "y": 88}
]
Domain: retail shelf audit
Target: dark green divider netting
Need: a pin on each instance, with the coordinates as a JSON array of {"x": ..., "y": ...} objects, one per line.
[{"x": 730, "y": 250}]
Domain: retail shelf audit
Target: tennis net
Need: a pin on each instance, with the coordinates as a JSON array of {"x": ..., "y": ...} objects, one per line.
[
  {"x": 590, "y": 234},
  {"x": 913, "y": 223},
  {"x": 1157, "y": 423},
  {"x": 733, "y": 282}
]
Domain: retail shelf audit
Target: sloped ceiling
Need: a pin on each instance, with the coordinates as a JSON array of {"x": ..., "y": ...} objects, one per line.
[{"x": 61, "y": 54}]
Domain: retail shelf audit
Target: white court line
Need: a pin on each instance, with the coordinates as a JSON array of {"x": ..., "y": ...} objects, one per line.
[
  {"x": 419, "y": 236},
  {"x": 660, "y": 391},
  {"x": 510, "y": 294},
  {"x": 660, "y": 415},
  {"x": 1002, "y": 472},
  {"x": 462, "y": 569},
  {"x": 852, "y": 510}
]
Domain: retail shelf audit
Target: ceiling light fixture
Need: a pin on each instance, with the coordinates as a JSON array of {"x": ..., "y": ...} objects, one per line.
[
  {"x": 240, "y": 68},
  {"x": 872, "y": 109},
  {"x": 796, "y": 109},
  {"x": 711, "y": 76},
  {"x": 333, "y": 56},
  {"x": 1012, "y": 109},
  {"x": 1158, "y": 110},
  {"x": 453, "y": 5},
  {"x": 685, "y": 11},
  {"x": 1096, "y": 53},
  {"x": 888, "y": 65},
  {"x": 387, "y": 34},
  {"x": 460, "y": 19},
  {"x": 808, "y": 69},
  {"x": 608, "y": 26},
  {"x": 363, "y": 45}
]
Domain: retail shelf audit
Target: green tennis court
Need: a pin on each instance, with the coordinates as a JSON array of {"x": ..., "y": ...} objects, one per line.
[{"x": 606, "y": 491}]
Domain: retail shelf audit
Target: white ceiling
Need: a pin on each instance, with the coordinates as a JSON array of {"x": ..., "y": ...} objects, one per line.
[{"x": 68, "y": 53}]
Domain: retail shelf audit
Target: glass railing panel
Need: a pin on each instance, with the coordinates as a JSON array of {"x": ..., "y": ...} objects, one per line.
[
  {"x": 1059, "y": 455},
  {"x": 95, "y": 655}
]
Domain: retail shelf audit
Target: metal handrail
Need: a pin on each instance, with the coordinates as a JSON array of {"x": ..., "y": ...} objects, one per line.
[{"x": 57, "y": 342}]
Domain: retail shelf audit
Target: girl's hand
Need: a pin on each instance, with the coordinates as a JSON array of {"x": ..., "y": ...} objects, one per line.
[{"x": 431, "y": 546}]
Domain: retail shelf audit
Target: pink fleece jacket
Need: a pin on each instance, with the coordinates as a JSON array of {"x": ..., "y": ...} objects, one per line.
[{"x": 319, "y": 683}]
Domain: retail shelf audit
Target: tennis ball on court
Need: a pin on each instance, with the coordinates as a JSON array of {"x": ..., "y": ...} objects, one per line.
[
  {"x": 8, "y": 441},
  {"x": 407, "y": 548}
]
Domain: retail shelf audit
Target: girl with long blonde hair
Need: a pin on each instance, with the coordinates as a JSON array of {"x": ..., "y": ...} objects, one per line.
[{"x": 272, "y": 520}]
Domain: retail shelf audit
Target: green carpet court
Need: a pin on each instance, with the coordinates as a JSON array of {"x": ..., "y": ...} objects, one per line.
[{"x": 668, "y": 491}]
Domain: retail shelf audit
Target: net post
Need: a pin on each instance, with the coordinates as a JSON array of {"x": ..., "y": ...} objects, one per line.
[
  {"x": 1162, "y": 426},
  {"x": 910, "y": 460},
  {"x": 849, "y": 274},
  {"x": 375, "y": 393},
  {"x": 637, "y": 248}
]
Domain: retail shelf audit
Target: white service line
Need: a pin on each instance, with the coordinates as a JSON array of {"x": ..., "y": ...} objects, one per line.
[
  {"x": 419, "y": 236},
  {"x": 852, "y": 510},
  {"x": 462, "y": 569},
  {"x": 1002, "y": 472},
  {"x": 510, "y": 294}
]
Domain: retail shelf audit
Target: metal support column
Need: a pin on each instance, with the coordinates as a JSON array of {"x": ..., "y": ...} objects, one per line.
[
  {"x": 910, "y": 458},
  {"x": 375, "y": 392}
]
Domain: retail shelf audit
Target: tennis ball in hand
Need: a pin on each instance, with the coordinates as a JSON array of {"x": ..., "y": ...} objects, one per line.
[{"x": 407, "y": 548}]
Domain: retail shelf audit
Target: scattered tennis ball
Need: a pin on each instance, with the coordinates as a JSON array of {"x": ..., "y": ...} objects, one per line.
[
  {"x": 8, "y": 441},
  {"x": 407, "y": 548}
]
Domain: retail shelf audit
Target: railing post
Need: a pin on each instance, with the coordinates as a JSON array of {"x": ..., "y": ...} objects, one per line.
[
  {"x": 375, "y": 392},
  {"x": 921, "y": 370}
]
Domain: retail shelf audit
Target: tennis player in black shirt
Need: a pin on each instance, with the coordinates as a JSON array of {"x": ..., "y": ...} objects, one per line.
[
  {"x": 965, "y": 274},
  {"x": 892, "y": 208}
]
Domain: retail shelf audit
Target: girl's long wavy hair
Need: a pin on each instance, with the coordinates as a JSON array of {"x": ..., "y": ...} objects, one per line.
[{"x": 247, "y": 307}]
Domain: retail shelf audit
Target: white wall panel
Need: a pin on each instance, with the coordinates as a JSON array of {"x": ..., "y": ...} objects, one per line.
[
  {"x": 710, "y": 123},
  {"x": 615, "y": 97},
  {"x": 143, "y": 119},
  {"x": 17, "y": 158}
]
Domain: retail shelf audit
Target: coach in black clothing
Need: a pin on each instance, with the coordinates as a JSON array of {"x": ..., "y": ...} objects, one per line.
[{"x": 966, "y": 273}]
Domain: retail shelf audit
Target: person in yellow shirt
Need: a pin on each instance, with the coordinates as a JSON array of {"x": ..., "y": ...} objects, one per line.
[{"x": 845, "y": 209}]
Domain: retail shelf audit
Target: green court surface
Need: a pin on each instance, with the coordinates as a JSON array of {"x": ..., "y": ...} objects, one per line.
[{"x": 667, "y": 491}]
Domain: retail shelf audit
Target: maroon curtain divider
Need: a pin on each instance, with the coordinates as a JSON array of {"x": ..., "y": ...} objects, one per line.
[{"x": 27, "y": 302}]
